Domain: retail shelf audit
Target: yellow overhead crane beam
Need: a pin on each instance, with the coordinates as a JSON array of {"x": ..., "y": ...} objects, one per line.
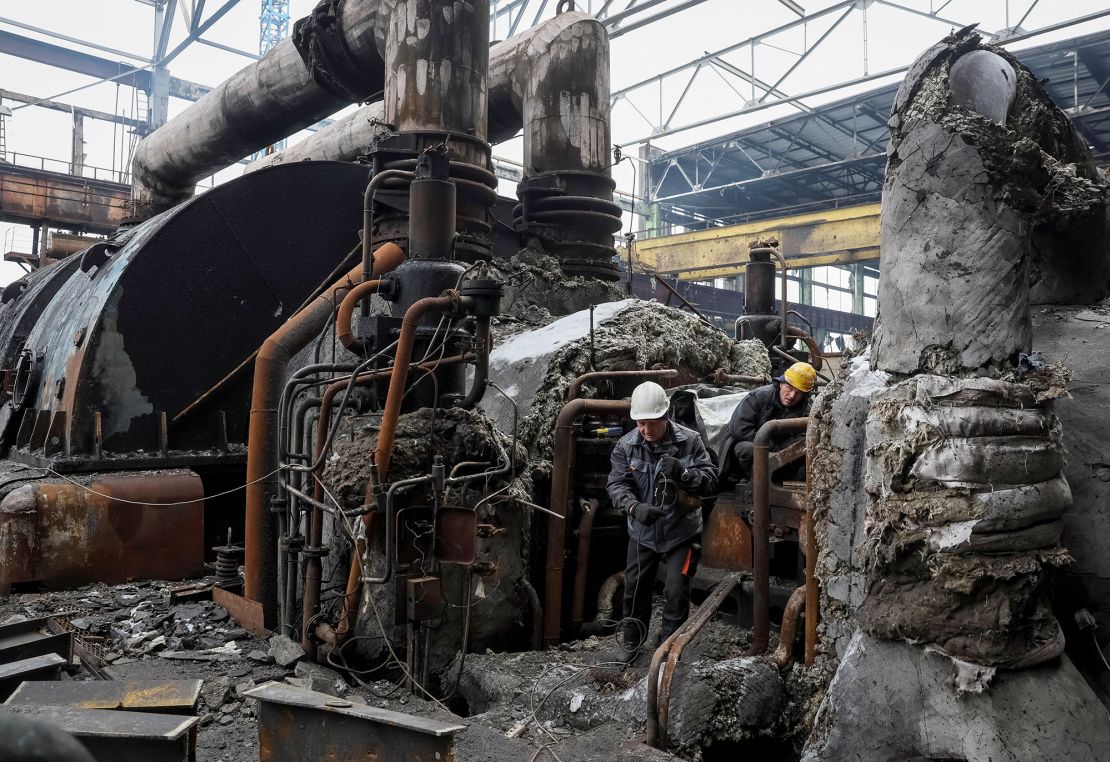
[{"x": 830, "y": 237}]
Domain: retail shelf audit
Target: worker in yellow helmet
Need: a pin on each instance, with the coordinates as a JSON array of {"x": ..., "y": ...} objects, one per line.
[{"x": 788, "y": 396}]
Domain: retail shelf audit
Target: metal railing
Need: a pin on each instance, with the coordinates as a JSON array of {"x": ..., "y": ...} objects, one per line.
[{"x": 60, "y": 166}]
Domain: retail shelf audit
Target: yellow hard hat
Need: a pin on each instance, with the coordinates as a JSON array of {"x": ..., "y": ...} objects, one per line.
[{"x": 801, "y": 376}]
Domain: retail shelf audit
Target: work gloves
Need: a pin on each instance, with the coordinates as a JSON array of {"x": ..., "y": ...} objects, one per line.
[
  {"x": 672, "y": 468},
  {"x": 646, "y": 513}
]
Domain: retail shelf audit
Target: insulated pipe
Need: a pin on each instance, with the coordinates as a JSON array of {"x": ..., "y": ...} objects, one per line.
[
  {"x": 258, "y": 106},
  {"x": 512, "y": 64},
  {"x": 537, "y": 614},
  {"x": 449, "y": 302},
  {"x": 263, "y": 462},
  {"x": 560, "y": 495},
  {"x": 437, "y": 54},
  {"x": 789, "y": 630},
  {"x": 585, "y": 532},
  {"x": 605, "y": 595},
  {"x": 576, "y": 384},
  {"x": 553, "y": 80},
  {"x": 761, "y": 499}
]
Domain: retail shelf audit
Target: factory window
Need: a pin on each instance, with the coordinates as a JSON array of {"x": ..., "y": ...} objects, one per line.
[{"x": 870, "y": 306}]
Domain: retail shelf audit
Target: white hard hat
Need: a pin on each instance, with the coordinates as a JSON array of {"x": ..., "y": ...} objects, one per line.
[{"x": 649, "y": 401}]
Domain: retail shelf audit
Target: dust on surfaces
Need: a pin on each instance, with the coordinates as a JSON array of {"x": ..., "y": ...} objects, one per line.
[
  {"x": 456, "y": 434},
  {"x": 537, "y": 292},
  {"x": 647, "y": 335}
]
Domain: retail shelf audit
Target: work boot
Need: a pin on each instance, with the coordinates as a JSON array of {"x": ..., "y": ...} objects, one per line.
[{"x": 626, "y": 655}]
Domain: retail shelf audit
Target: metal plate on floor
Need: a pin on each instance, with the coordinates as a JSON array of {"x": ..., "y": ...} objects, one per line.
[
  {"x": 121, "y": 736},
  {"x": 295, "y": 724},
  {"x": 162, "y": 696}
]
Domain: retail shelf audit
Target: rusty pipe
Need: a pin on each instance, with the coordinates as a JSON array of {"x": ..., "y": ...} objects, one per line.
[
  {"x": 560, "y": 496},
  {"x": 576, "y": 384},
  {"x": 816, "y": 359},
  {"x": 761, "y": 499},
  {"x": 449, "y": 302},
  {"x": 313, "y": 568},
  {"x": 789, "y": 629},
  {"x": 260, "y": 577},
  {"x": 659, "y": 690},
  {"x": 386, "y": 258},
  {"x": 723, "y": 378},
  {"x": 585, "y": 532},
  {"x": 809, "y": 526}
]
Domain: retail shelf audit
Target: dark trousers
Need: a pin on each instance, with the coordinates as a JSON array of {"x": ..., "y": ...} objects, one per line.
[{"x": 679, "y": 564}]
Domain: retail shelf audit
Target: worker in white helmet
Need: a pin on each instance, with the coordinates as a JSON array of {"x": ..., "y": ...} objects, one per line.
[{"x": 656, "y": 469}]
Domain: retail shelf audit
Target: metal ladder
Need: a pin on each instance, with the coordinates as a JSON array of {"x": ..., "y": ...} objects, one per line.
[{"x": 3, "y": 137}]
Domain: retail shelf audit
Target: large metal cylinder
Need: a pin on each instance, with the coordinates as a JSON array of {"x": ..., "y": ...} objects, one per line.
[
  {"x": 759, "y": 288},
  {"x": 261, "y": 104},
  {"x": 437, "y": 53}
]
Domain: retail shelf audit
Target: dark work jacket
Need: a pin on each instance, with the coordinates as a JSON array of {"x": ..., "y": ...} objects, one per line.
[
  {"x": 757, "y": 408},
  {"x": 635, "y": 464}
]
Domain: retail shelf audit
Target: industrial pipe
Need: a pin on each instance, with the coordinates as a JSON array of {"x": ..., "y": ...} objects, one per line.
[
  {"x": 601, "y": 620},
  {"x": 484, "y": 340},
  {"x": 263, "y": 462},
  {"x": 312, "y": 578},
  {"x": 659, "y": 688},
  {"x": 773, "y": 251},
  {"x": 761, "y": 499},
  {"x": 448, "y": 303},
  {"x": 560, "y": 495},
  {"x": 368, "y": 214},
  {"x": 511, "y": 65},
  {"x": 264, "y": 102},
  {"x": 585, "y": 531},
  {"x": 343, "y": 330},
  {"x": 789, "y": 629},
  {"x": 721, "y": 378},
  {"x": 813, "y": 604},
  {"x": 576, "y": 384},
  {"x": 816, "y": 359}
]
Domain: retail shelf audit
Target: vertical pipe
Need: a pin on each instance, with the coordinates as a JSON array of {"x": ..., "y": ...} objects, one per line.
[
  {"x": 761, "y": 505},
  {"x": 560, "y": 496}
]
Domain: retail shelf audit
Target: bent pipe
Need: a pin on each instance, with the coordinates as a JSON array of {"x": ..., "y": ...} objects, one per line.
[
  {"x": 789, "y": 630},
  {"x": 450, "y": 302},
  {"x": 576, "y": 384},
  {"x": 512, "y": 64},
  {"x": 263, "y": 462},
  {"x": 560, "y": 496},
  {"x": 602, "y": 621},
  {"x": 264, "y": 102},
  {"x": 582, "y": 565},
  {"x": 761, "y": 499},
  {"x": 312, "y": 576},
  {"x": 659, "y": 688}
]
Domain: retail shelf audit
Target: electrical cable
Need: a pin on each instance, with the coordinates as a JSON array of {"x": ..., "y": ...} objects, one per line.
[{"x": 116, "y": 499}]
